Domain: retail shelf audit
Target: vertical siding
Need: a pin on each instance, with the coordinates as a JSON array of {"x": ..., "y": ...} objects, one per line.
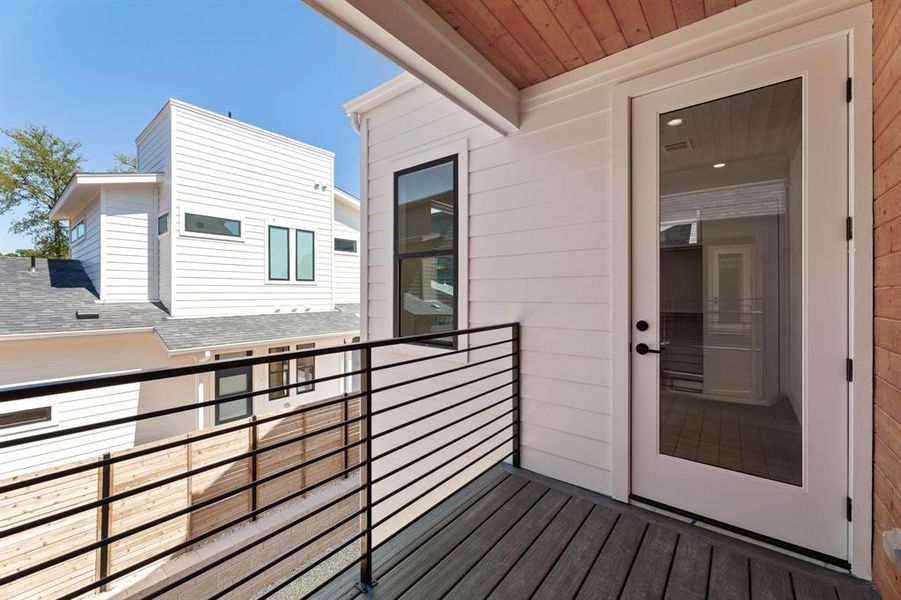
[
  {"x": 87, "y": 250},
  {"x": 539, "y": 253},
  {"x": 887, "y": 281},
  {"x": 266, "y": 179},
  {"x": 129, "y": 215}
]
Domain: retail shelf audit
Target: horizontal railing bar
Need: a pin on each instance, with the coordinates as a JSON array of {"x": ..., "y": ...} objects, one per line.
[
  {"x": 172, "y": 479},
  {"x": 439, "y": 356},
  {"x": 396, "y": 470},
  {"x": 173, "y": 410},
  {"x": 442, "y": 482},
  {"x": 294, "y": 577},
  {"x": 227, "y": 557},
  {"x": 215, "y": 531},
  {"x": 443, "y": 409},
  {"x": 457, "y": 386},
  {"x": 286, "y": 555},
  {"x": 419, "y": 438},
  {"x": 173, "y": 444},
  {"x": 20, "y": 392},
  {"x": 385, "y": 388}
]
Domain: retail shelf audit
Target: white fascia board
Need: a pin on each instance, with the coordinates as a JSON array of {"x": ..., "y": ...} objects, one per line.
[
  {"x": 412, "y": 35},
  {"x": 82, "y": 184},
  {"x": 347, "y": 199},
  {"x": 254, "y": 343},
  {"x": 17, "y": 337}
]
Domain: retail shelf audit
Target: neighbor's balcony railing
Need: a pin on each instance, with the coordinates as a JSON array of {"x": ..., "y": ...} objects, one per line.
[{"x": 449, "y": 434}]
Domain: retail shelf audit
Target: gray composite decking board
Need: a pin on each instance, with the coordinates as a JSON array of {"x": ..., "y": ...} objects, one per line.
[
  {"x": 488, "y": 572},
  {"x": 770, "y": 582},
  {"x": 455, "y": 566},
  {"x": 589, "y": 544},
  {"x": 410, "y": 538},
  {"x": 523, "y": 579},
  {"x": 612, "y": 566},
  {"x": 729, "y": 577},
  {"x": 690, "y": 570},
  {"x": 398, "y": 579},
  {"x": 566, "y": 576},
  {"x": 650, "y": 571}
]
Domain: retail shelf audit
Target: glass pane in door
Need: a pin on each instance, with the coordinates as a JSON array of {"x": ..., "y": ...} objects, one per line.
[{"x": 731, "y": 282}]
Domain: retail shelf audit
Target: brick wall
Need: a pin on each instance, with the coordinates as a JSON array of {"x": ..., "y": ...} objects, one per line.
[{"x": 887, "y": 280}]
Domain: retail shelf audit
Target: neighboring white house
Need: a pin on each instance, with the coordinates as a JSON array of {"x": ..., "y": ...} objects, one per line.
[{"x": 230, "y": 241}]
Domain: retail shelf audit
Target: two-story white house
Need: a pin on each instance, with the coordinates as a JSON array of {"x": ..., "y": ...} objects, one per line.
[{"x": 229, "y": 241}]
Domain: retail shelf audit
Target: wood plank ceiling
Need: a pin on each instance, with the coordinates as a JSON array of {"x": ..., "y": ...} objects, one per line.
[{"x": 533, "y": 40}]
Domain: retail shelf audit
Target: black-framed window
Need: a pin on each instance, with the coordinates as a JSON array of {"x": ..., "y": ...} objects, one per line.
[
  {"x": 162, "y": 224},
  {"x": 230, "y": 381},
  {"x": 425, "y": 249},
  {"x": 27, "y": 416},
  {"x": 212, "y": 225},
  {"x": 305, "y": 249},
  {"x": 306, "y": 369},
  {"x": 278, "y": 373},
  {"x": 279, "y": 253},
  {"x": 345, "y": 245}
]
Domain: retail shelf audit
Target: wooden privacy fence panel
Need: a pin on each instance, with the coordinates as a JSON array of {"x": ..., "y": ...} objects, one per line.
[{"x": 48, "y": 541}]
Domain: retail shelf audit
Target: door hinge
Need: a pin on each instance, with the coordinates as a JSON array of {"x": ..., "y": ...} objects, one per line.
[
  {"x": 848, "y": 512},
  {"x": 849, "y": 228},
  {"x": 850, "y": 369},
  {"x": 848, "y": 88}
]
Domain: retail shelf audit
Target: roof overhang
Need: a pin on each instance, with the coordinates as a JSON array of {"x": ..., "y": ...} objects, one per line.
[
  {"x": 416, "y": 38},
  {"x": 84, "y": 187},
  {"x": 347, "y": 199}
]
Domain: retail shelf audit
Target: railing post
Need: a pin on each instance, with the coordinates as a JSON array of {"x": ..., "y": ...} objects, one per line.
[
  {"x": 105, "y": 490},
  {"x": 254, "y": 444},
  {"x": 515, "y": 391},
  {"x": 344, "y": 436},
  {"x": 366, "y": 580}
]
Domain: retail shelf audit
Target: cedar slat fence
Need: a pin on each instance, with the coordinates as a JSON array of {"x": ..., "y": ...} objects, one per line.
[{"x": 50, "y": 497}]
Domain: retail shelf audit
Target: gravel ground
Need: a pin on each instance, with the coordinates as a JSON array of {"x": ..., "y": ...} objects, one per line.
[{"x": 321, "y": 573}]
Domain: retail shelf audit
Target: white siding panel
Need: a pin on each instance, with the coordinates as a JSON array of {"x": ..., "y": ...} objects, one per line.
[
  {"x": 539, "y": 253},
  {"x": 129, "y": 269},
  {"x": 88, "y": 249},
  {"x": 224, "y": 167},
  {"x": 347, "y": 267},
  {"x": 155, "y": 156}
]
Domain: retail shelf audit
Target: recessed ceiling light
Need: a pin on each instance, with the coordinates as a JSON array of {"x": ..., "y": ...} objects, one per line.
[
  {"x": 674, "y": 122},
  {"x": 719, "y": 165}
]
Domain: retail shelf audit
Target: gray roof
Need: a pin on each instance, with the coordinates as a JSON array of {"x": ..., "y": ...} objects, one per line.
[
  {"x": 349, "y": 308},
  {"x": 47, "y": 300},
  {"x": 207, "y": 332}
]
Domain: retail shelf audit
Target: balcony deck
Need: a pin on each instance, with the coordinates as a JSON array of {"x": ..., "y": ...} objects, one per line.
[{"x": 514, "y": 534}]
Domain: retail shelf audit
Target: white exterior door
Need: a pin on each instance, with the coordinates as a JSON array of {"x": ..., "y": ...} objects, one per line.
[{"x": 740, "y": 280}]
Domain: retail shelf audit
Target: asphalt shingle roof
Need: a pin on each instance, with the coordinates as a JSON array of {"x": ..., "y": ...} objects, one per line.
[
  {"x": 206, "y": 332},
  {"x": 47, "y": 300}
]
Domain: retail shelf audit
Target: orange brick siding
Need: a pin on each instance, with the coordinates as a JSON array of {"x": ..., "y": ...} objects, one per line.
[{"x": 887, "y": 281}]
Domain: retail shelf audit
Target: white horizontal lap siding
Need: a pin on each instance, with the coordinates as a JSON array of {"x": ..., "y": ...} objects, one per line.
[
  {"x": 539, "y": 253},
  {"x": 347, "y": 267},
  {"x": 154, "y": 156},
  {"x": 41, "y": 360},
  {"x": 88, "y": 249},
  {"x": 129, "y": 215},
  {"x": 226, "y": 168}
]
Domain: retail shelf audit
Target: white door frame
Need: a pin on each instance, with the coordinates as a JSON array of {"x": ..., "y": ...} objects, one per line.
[{"x": 856, "y": 25}]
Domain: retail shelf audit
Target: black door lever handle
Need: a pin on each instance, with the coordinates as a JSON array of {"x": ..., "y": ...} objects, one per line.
[{"x": 644, "y": 349}]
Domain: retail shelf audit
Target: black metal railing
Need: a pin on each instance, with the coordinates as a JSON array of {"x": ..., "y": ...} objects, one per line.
[{"x": 494, "y": 410}]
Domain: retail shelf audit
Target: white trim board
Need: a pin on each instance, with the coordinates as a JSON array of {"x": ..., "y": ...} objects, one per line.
[{"x": 855, "y": 23}]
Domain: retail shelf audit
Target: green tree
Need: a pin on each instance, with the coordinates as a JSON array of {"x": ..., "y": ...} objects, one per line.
[
  {"x": 125, "y": 163},
  {"x": 33, "y": 175}
]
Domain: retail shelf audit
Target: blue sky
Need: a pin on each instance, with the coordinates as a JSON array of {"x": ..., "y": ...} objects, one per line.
[{"x": 99, "y": 71}]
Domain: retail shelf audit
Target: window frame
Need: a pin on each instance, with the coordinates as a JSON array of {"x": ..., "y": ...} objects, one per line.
[
  {"x": 269, "y": 276},
  {"x": 248, "y": 401},
  {"x": 306, "y": 389},
  {"x": 159, "y": 219},
  {"x": 356, "y": 244},
  {"x": 285, "y": 371},
  {"x": 203, "y": 211},
  {"x": 398, "y": 256},
  {"x": 297, "y": 232},
  {"x": 84, "y": 231},
  {"x": 23, "y": 406}
]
